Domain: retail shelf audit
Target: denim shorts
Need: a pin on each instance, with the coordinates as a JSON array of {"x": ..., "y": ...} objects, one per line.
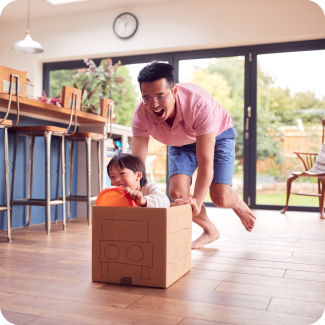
[{"x": 182, "y": 160}]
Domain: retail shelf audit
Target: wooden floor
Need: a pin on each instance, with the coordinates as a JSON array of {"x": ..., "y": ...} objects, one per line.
[{"x": 274, "y": 275}]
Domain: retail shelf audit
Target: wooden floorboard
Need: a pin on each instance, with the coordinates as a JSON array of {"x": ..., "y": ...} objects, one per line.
[
  {"x": 198, "y": 295},
  {"x": 212, "y": 312},
  {"x": 192, "y": 321},
  {"x": 52, "y": 321},
  {"x": 272, "y": 292},
  {"x": 272, "y": 276}
]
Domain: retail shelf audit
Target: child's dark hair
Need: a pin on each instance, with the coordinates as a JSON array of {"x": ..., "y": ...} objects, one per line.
[
  {"x": 157, "y": 70},
  {"x": 126, "y": 160}
]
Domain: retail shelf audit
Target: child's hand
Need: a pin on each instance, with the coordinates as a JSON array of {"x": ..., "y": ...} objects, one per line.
[
  {"x": 192, "y": 201},
  {"x": 137, "y": 196}
]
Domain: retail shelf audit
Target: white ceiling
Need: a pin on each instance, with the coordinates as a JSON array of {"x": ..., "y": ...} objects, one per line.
[{"x": 17, "y": 10}]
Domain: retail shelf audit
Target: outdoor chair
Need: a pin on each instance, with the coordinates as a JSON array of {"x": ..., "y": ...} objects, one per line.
[{"x": 314, "y": 164}]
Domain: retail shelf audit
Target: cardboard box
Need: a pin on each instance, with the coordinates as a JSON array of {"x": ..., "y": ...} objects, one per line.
[{"x": 141, "y": 246}]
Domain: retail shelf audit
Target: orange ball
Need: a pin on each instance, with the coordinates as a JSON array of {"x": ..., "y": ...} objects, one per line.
[{"x": 115, "y": 196}]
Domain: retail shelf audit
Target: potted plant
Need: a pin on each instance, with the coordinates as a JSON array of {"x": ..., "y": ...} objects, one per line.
[
  {"x": 106, "y": 80},
  {"x": 50, "y": 100},
  {"x": 85, "y": 97}
]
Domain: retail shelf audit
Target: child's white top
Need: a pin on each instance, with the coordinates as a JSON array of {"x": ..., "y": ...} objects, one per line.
[{"x": 155, "y": 197}]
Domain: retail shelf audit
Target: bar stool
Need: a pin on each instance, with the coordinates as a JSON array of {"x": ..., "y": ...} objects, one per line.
[
  {"x": 107, "y": 109},
  {"x": 47, "y": 132},
  {"x": 5, "y": 124}
]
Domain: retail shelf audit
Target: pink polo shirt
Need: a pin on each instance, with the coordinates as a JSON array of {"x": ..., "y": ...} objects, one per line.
[{"x": 197, "y": 113}]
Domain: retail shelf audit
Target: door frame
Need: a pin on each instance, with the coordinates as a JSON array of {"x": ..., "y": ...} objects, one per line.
[{"x": 270, "y": 49}]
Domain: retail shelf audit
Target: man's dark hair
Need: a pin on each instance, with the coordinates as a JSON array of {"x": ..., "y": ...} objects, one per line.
[
  {"x": 157, "y": 70},
  {"x": 126, "y": 160}
]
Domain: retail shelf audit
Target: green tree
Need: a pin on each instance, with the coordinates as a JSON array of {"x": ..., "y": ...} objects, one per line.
[
  {"x": 219, "y": 88},
  {"x": 215, "y": 84},
  {"x": 286, "y": 105},
  {"x": 311, "y": 109},
  {"x": 232, "y": 69},
  {"x": 125, "y": 103},
  {"x": 224, "y": 80},
  {"x": 58, "y": 79}
]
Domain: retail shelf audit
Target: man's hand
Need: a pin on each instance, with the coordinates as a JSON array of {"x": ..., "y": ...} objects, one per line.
[
  {"x": 192, "y": 201},
  {"x": 137, "y": 196}
]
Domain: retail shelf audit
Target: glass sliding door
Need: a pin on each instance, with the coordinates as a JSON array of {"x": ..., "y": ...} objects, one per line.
[
  {"x": 290, "y": 109},
  {"x": 224, "y": 79}
]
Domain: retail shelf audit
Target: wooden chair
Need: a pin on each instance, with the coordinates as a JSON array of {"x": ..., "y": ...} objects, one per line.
[
  {"x": 73, "y": 97},
  {"x": 7, "y": 76},
  {"x": 308, "y": 159},
  {"x": 107, "y": 109}
]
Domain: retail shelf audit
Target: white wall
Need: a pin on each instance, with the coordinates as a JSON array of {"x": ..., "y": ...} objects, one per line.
[{"x": 165, "y": 26}]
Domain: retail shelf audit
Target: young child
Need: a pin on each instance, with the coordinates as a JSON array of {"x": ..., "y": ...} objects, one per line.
[{"x": 129, "y": 171}]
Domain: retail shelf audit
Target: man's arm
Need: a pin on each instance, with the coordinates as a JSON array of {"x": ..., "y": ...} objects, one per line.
[
  {"x": 205, "y": 158},
  {"x": 139, "y": 147}
]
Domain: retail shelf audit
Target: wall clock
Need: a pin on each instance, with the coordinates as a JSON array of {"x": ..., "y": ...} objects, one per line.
[{"x": 125, "y": 25}]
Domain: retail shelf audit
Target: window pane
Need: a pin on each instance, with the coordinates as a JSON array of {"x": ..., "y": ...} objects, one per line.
[
  {"x": 290, "y": 108},
  {"x": 223, "y": 78}
]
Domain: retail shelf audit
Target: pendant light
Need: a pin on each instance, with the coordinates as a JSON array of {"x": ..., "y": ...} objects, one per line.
[{"x": 27, "y": 45}]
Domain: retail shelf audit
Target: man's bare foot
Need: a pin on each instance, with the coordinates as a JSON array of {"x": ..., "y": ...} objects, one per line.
[
  {"x": 206, "y": 238},
  {"x": 245, "y": 215}
]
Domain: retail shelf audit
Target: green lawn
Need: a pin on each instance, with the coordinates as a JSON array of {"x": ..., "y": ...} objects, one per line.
[{"x": 280, "y": 199}]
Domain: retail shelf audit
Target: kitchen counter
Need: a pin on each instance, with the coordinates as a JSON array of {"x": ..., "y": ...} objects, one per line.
[{"x": 35, "y": 109}]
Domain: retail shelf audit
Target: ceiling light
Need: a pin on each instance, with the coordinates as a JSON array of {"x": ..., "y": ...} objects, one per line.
[
  {"x": 62, "y": 2},
  {"x": 28, "y": 45}
]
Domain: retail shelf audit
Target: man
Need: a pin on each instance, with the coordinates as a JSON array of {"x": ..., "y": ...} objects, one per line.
[{"x": 199, "y": 133}]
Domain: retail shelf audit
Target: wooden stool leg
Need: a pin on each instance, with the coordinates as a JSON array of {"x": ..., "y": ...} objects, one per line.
[
  {"x": 13, "y": 177},
  {"x": 289, "y": 181},
  {"x": 71, "y": 149},
  {"x": 88, "y": 167},
  {"x": 100, "y": 171},
  {"x": 30, "y": 176},
  {"x": 63, "y": 184},
  {"x": 58, "y": 182},
  {"x": 47, "y": 137},
  {"x": 7, "y": 184}
]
